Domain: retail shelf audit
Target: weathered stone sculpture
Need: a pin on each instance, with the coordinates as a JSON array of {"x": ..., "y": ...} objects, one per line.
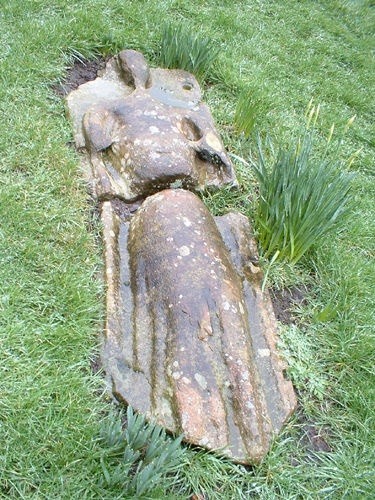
[
  {"x": 190, "y": 339},
  {"x": 147, "y": 130}
]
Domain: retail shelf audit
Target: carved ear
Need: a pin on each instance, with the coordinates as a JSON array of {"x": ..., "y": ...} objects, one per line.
[
  {"x": 98, "y": 127},
  {"x": 134, "y": 69}
]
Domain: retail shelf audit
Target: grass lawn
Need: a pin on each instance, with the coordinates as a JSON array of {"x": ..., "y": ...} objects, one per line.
[{"x": 51, "y": 303}]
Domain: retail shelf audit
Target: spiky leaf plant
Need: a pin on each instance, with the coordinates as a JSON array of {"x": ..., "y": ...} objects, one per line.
[
  {"x": 180, "y": 49},
  {"x": 139, "y": 458},
  {"x": 301, "y": 199},
  {"x": 250, "y": 107}
]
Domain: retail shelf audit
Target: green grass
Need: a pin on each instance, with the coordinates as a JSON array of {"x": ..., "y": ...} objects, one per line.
[
  {"x": 51, "y": 300},
  {"x": 250, "y": 109},
  {"x": 180, "y": 49},
  {"x": 301, "y": 201}
]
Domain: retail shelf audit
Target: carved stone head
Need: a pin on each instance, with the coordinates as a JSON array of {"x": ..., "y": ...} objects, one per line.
[{"x": 146, "y": 130}]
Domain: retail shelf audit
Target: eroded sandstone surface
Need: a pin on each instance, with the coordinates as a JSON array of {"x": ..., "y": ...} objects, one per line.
[
  {"x": 146, "y": 130},
  {"x": 190, "y": 338}
]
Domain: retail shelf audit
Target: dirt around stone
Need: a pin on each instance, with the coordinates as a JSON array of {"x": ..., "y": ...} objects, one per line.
[
  {"x": 96, "y": 364},
  {"x": 315, "y": 439},
  {"x": 284, "y": 300},
  {"x": 81, "y": 72}
]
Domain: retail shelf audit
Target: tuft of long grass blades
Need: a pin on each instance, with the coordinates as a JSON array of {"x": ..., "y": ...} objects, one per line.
[
  {"x": 301, "y": 199},
  {"x": 138, "y": 458},
  {"x": 250, "y": 107},
  {"x": 180, "y": 49}
]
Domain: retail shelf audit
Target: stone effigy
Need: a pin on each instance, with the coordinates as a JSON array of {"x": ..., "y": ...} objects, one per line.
[{"x": 190, "y": 339}]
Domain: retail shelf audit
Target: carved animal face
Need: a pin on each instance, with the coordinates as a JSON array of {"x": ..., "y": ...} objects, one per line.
[{"x": 157, "y": 134}]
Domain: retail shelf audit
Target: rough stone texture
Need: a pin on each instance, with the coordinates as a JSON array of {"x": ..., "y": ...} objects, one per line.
[
  {"x": 146, "y": 130},
  {"x": 190, "y": 338}
]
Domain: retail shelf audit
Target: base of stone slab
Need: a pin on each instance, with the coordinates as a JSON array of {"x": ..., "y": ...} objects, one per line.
[{"x": 190, "y": 338}]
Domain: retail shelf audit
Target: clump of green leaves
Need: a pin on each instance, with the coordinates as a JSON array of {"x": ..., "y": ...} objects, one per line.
[
  {"x": 180, "y": 49},
  {"x": 304, "y": 365},
  {"x": 139, "y": 458},
  {"x": 248, "y": 110},
  {"x": 301, "y": 198}
]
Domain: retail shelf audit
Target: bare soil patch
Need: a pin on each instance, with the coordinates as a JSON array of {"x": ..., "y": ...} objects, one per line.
[
  {"x": 285, "y": 300},
  {"x": 81, "y": 72},
  {"x": 315, "y": 438}
]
